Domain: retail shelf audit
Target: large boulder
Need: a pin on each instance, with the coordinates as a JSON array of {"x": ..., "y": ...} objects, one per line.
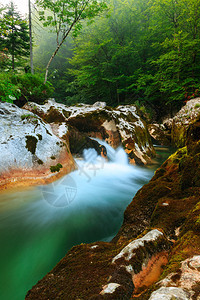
[
  {"x": 122, "y": 125},
  {"x": 179, "y": 124},
  {"x": 183, "y": 283},
  {"x": 120, "y": 270},
  {"x": 29, "y": 151},
  {"x": 159, "y": 134}
]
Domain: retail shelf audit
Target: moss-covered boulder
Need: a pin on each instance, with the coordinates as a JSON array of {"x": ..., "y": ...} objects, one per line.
[
  {"x": 104, "y": 270},
  {"x": 120, "y": 126},
  {"x": 29, "y": 149},
  {"x": 179, "y": 124}
]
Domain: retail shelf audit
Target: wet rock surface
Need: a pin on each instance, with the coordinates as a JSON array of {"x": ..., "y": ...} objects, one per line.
[
  {"x": 170, "y": 294},
  {"x": 160, "y": 135},
  {"x": 186, "y": 278},
  {"x": 179, "y": 124},
  {"x": 120, "y": 126},
  {"x": 29, "y": 148}
]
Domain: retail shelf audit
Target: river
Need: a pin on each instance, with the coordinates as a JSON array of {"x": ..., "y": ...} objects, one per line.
[{"x": 38, "y": 226}]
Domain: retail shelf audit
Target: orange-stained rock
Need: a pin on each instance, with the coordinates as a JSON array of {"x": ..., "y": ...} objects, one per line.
[{"x": 30, "y": 153}]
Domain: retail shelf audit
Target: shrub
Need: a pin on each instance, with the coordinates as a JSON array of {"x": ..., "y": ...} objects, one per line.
[
  {"x": 21, "y": 88},
  {"x": 8, "y": 91}
]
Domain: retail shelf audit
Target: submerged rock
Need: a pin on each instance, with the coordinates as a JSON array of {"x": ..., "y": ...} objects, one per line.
[
  {"x": 122, "y": 125},
  {"x": 29, "y": 149}
]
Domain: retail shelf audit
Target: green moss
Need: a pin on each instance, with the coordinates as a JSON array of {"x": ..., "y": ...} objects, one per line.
[
  {"x": 178, "y": 155},
  {"x": 23, "y": 117},
  {"x": 186, "y": 246},
  {"x": 197, "y": 105},
  {"x": 31, "y": 143},
  {"x": 56, "y": 168},
  {"x": 31, "y": 118},
  {"x": 66, "y": 113},
  {"x": 178, "y": 135}
]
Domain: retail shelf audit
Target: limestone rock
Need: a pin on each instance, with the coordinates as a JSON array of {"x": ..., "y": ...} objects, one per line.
[
  {"x": 181, "y": 121},
  {"x": 140, "y": 258},
  {"x": 122, "y": 125},
  {"x": 29, "y": 148},
  {"x": 187, "y": 277},
  {"x": 159, "y": 134},
  {"x": 121, "y": 275},
  {"x": 170, "y": 293}
]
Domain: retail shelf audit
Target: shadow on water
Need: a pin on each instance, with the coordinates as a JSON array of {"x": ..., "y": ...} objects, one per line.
[{"x": 38, "y": 226}]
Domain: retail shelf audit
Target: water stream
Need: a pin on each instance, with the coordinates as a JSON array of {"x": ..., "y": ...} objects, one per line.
[{"x": 38, "y": 226}]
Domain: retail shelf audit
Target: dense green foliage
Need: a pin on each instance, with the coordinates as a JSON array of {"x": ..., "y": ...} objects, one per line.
[
  {"x": 14, "y": 39},
  {"x": 58, "y": 75},
  {"x": 21, "y": 88},
  {"x": 146, "y": 51},
  {"x": 65, "y": 16},
  {"x": 16, "y": 86}
]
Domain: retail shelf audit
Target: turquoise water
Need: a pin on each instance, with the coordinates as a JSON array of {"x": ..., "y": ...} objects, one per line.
[{"x": 38, "y": 226}]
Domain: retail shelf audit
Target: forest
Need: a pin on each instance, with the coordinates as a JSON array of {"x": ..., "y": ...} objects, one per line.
[{"x": 122, "y": 52}]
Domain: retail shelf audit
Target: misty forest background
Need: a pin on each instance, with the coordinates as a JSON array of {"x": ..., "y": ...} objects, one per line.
[{"x": 134, "y": 52}]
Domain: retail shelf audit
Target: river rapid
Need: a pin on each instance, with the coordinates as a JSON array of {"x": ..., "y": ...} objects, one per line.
[{"x": 38, "y": 226}]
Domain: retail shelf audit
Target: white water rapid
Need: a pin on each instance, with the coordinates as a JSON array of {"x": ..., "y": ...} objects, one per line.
[{"x": 38, "y": 226}]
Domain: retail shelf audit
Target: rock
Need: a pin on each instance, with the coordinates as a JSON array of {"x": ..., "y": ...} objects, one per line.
[
  {"x": 126, "y": 272},
  {"x": 181, "y": 121},
  {"x": 29, "y": 149},
  {"x": 122, "y": 125},
  {"x": 110, "y": 288},
  {"x": 140, "y": 257},
  {"x": 170, "y": 293},
  {"x": 160, "y": 135},
  {"x": 187, "y": 277},
  {"x": 129, "y": 251}
]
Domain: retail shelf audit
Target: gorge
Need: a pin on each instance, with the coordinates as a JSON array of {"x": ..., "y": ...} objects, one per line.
[{"x": 160, "y": 225}]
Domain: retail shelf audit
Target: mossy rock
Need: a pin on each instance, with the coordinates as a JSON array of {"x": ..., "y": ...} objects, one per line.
[{"x": 53, "y": 115}]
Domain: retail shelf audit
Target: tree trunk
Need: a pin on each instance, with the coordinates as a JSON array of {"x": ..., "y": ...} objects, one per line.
[
  {"x": 57, "y": 49},
  {"x": 30, "y": 37}
]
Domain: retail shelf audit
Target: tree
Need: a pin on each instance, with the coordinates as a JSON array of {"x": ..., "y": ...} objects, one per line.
[
  {"x": 109, "y": 53},
  {"x": 66, "y": 16},
  {"x": 15, "y": 37},
  {"x": 30, "y": 35}
]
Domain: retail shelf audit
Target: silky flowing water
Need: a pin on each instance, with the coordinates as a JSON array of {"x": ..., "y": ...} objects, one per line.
[{"x": 38, "y": 226}]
